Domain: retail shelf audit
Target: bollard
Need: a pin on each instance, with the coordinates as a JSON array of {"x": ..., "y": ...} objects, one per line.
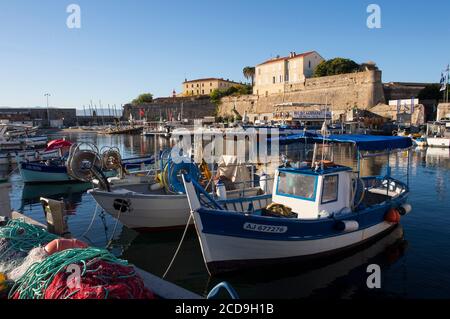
[{"x": 55, "y": 215}]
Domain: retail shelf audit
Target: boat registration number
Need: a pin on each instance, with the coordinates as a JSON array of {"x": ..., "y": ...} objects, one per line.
[{"x": 265, "y": 228}]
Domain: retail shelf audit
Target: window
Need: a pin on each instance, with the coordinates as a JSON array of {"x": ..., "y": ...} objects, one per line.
[
  {"x": 273, "y": 79},
  {"x": 192, "y": 85},
  {"x": 309, "y": 64},
  {"x": 203, "y": 84},
  {"x": 203, "y": 91},
  {"x": 281, "y": 78},
  {"x": 210, "y": 84},
  {"x": 210, "y": 90},
  {"x": 330, "y": 189},
  {"x": 297, "y": 185}
]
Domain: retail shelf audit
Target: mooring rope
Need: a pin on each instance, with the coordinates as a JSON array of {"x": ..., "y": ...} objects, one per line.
[{"x": 179, "y": 246}]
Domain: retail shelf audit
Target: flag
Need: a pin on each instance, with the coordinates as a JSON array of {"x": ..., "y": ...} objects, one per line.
[
  {"x": 443, "y": 82},
  {"x": 141, "y": 112},
  {"x": 444, "y": 78},
  {"x": 412, "y": 105}
]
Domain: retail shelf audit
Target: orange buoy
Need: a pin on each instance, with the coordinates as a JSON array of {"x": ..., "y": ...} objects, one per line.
[
  {"x": 392, "y": 216},
  {"x": 61, "y": 244}
]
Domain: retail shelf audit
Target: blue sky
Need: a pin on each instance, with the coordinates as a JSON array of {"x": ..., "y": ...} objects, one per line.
[{"x": 125, "y": 48}]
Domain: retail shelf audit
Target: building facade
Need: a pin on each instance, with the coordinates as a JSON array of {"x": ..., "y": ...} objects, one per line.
[
  {"x": 205, "y": 86},
  {"x": 273, "y": 75}
]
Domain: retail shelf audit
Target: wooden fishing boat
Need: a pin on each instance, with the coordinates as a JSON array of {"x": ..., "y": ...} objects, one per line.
[
  {"x": 316, "y": 211},
  {"x": 55, "y": 170}
]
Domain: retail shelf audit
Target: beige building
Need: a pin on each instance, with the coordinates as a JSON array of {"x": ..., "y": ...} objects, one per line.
[
  {"x": 273, "y": 75},
  {"x": 205, "y": 86}
]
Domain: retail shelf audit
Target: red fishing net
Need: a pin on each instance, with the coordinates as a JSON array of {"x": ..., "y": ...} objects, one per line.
[{"x": 99, "y": 280}]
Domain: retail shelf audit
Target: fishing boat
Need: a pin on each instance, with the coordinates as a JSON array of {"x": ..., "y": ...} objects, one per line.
[
  {"x": 315, "y": 210},
  {"x": 438, "y": 134},
  {"x": 55, "y": 170},
  {"x": 14, "y": 157},
  {"x": 162, "y": 204}
]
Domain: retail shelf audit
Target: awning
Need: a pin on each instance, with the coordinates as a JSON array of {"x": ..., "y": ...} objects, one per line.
[{"x": 363, "y": 142}]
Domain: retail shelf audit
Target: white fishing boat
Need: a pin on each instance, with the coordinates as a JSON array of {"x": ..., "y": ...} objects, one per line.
[
  {"x": 162, "y": 204},
  {"x": 438, "y": 134},
  {"x": 316, "y": 211}
]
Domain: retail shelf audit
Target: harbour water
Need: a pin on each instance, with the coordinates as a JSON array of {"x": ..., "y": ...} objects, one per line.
[{"x": 414, "y": 258}]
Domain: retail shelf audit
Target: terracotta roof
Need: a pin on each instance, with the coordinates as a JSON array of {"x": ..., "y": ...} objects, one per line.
[
  {"x": 287, "y": 57},
  {"x": 210, "y": 79}
]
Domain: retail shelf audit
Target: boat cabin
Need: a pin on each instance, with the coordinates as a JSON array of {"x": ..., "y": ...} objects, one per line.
[{"x": 314, "y": 193}]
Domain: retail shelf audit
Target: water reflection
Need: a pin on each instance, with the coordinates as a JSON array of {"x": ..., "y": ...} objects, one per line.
[{"x": 324, "y": 279}]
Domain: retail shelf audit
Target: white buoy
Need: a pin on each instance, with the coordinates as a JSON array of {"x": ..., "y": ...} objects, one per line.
[
  {"x": 348, "y": 225},
  {"x": 5, "y": 204},
  {"x": 263, "y": 183},
  {"x": 156, "y": 186},
  {"x": 405, "y": 209},
  {"x": 221, "y": 191}
]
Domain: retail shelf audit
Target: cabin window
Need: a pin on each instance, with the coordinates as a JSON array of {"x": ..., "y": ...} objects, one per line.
[
  {"x": 297, "y": 185},
  {"x": 330, "y": 189}
]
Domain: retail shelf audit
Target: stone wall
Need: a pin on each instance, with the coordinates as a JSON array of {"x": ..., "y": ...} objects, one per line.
[
  {"x": 342, "y": 92},
  {"x": 193, "y": 107},
  {"x": 389, "y": 112}
]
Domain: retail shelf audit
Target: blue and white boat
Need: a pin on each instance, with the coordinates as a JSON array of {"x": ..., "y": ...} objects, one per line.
[
  {"x": 55, "y": 170},
  {"x": 314, "y": 211}
]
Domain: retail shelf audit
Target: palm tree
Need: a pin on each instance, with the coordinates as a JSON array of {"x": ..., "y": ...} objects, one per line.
[{"x": 249, "y": 73}]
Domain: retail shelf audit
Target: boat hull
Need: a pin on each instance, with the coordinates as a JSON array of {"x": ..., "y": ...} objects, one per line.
[
  {"x": 148, "y": 212},
  {"x": 438, "y": 142},
  {"x": 145, "y": 213},
  {"x": 232, "y": 242},
  {"x": 39, "y": 173}
]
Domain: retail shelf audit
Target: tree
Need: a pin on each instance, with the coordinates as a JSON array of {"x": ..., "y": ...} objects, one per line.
[
  {"x": 143, "y": 98},
  {"x": 431, "y": 92},
  {"x": 236, "y": 90},
  {"x": 336, "y": 66},
  {"x": 249, "y": 73}
]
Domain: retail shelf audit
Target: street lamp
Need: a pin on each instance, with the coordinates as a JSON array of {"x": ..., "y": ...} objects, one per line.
[{"x": 47, "y": 95}]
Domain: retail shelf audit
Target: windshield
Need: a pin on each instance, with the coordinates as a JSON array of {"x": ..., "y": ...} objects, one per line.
[{"x": 297, "y": 185}]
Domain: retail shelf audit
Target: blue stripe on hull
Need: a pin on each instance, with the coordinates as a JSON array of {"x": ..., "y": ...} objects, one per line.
[{"x": 232, "y": 224}]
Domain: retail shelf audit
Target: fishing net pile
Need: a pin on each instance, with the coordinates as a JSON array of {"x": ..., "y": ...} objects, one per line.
[
  {"x": 17, "y": 240},
  {"x": 46, "y": 272}
]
